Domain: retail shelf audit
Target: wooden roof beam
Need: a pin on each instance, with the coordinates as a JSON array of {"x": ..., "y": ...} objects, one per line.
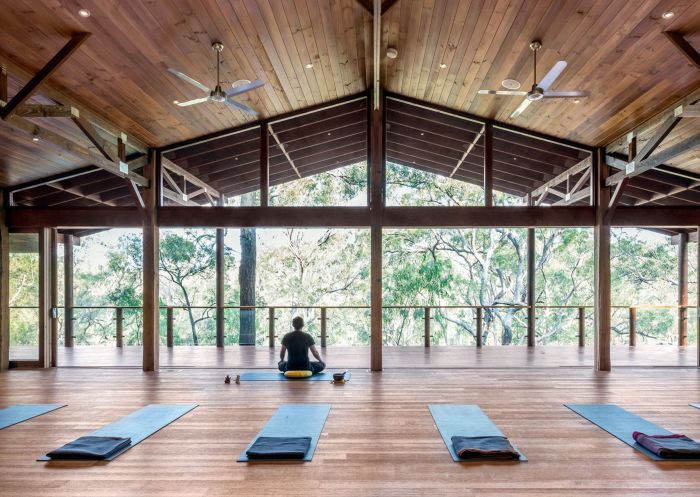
[
  {"x": 174, "y": 168},
  {"x": 36, "y": 110},
  {"x": 656, "y": 159},
  {"x": 15, "y": 123},
  {"x": 282, "y": 149},
  {"x": 685, "y": 48},
  {"x": 44, "y": 73}
]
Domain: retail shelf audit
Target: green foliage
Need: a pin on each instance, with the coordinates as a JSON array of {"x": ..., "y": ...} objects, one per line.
[{"x": 300, "y": 270}]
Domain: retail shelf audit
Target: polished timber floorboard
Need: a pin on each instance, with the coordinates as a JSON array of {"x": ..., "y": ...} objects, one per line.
[
  {"x": 394, "y": 357},
  {"x": 379, "y": 438}
]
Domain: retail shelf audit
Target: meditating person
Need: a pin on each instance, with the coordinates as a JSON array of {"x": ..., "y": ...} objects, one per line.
[{"x": 298, "y": 343}]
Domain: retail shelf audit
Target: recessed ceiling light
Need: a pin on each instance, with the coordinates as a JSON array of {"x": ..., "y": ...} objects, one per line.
[
  {"x": 35, "y": 138},
  {"x": 577, "y": 100},
  {"x": 309, "y": 65},
  {"x": 422, "y": 134},
  {"x": 510, "y": 84},
  {"x": 176, "y": 102},
  {"x": 329, "y": 133},
  {"x": 668, "y": 15},
  {"x": 235, "y": 158},
  {"x": 392, "y": 53},
  {"x": 84, "y": 13},
  {"x": 35, "y": 135},
  {"x": 443, "y": 65}
]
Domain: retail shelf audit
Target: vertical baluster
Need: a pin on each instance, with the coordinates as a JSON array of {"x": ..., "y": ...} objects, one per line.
[
  {"x": 633, "y": 326},
  {"x": 120, "y": 327},
  {"x": 479, "y": 320},
  {"x": 323, "y": 326},
  {"x": 271, "y": 324},
  {"x": 169, "y": 327},
  {"x": 581, "y": 326},
  {"x": 426, "y": 318}
]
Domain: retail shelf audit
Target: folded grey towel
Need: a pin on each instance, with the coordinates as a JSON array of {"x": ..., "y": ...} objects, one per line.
[
  {"x": 279, "y": 448},
  {"x": 90, "y": 448},
  {"x": 498, "y": 448}
]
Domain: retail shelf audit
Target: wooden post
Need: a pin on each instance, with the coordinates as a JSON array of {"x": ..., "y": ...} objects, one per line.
[
  {"x": 601, "y": 256},
  {"x": 53, "y": 295},
  {"x": 264, "y": 164},
  {"x": 426, "y": 326},
  {"x": 581, "y": 326},
  {"x": 4, "y": 285},
  {"x": 479, "y": 320},
  {"x": 220, "y": 279},
  {"x": 531, "y": 316},
  {"x": 633, "y": 326},
  {"x": 44, "y": 297},
  {"x": 683, "y": 289},
  {"x": 488, "y": 164},
  {"x": 271, "y": 327},
  {"x": 151, "y": 249},
  {"x": 68, "y": 290},
  {"x": 324, "y": 330},
  {"x": 376, "y": 214},
  {"x": 120, "y": 327},
  {"x": 169, "y": 327}
]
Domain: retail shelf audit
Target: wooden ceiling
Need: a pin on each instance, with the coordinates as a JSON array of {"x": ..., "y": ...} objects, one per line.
[{"x": 614, "y": 48}]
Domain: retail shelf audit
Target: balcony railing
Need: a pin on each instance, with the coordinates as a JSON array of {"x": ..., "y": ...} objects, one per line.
[{"x": 319, "y": 327}]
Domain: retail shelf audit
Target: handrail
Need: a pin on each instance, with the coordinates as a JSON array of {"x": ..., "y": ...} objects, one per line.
[{"x": 427, "y": 316}]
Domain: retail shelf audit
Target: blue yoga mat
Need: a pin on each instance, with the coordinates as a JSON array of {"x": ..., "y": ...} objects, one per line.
[
  {"x": 22, "y": 412},
  {"x": 464, "y": 420},
  {"x": 621, "y": 424},
  {"x": 277, "y": 376},
  {"x": 141, "y": 424},
  {"x": 294, "y": 420}
]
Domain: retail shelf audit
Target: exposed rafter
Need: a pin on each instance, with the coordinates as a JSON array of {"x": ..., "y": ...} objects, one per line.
[
  {"x": 538, "y": 194},
  {"x": 27, "y": 90},
  {"x": 685, "y": 48},
  {"x": 656, "y": 159},
  {"x": 36, "y": 110},
  {"x": 283, "y": 150},
  {"x": 169, "y": 165},
  {"x": 19, "y": 124}
]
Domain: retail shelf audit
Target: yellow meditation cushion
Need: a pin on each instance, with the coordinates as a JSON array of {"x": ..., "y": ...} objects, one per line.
[{"x": 297, "y": 374}]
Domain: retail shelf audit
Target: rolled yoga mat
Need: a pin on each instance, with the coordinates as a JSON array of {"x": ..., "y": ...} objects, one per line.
[
  {"x": 294, "y": 420},
  {"x": 139, "y": 425},
  {"x": 22, "y": 412},
  {"x": 465, "y": 420},
  {"x": 696, "y": 405},
  {"x": 621, "y": 424},
  {"x": 279, "y": 376}
]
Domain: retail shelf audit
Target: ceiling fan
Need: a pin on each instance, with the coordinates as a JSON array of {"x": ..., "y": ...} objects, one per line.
[
  {"x": 217, "y": 94},
  {"x": 539, "y": 90}
]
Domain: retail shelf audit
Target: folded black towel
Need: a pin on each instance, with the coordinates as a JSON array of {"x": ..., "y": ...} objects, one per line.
[
  {"x": 672, "y": 446},
  {"x": 498, "y": 448},
  {"x": 90, "y": 448},
  {"x": 279, "y": 448}
]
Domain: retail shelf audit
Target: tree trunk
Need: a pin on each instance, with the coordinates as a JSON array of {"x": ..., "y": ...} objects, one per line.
[{"x": 246, "y": 280}]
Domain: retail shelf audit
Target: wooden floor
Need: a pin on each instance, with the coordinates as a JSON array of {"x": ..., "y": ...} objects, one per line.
[
  {"x": 394, "y": 357},
  {"x": 379, "y": 438}
]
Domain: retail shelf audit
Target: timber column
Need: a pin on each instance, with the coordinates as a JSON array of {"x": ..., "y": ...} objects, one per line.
[
  {"x": 151, "y": 252},
  {"x": 68, "y": 290},
  {"x": 4, "y": 286},
  {"x": 376, "y": 214},
  {"x": 683, "y": 289},
  {"x": 601, "y": 256}
]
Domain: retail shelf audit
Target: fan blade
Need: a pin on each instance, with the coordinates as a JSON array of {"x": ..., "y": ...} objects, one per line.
[
  {"x": 566, "y": 94},
  {"x": 244, "y": 88},
  {"x": 503, "y": 92},
  {"x": 191, "y": 81},
  {"x": 553, "y": 74},
  {"x": 237, "y": 105},
  {"x": 520, "y": 108},
  {"x": 193, "y": 102}
]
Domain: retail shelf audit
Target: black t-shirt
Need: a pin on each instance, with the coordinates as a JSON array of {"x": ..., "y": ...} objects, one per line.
[{"x": 298, "y": 343}]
